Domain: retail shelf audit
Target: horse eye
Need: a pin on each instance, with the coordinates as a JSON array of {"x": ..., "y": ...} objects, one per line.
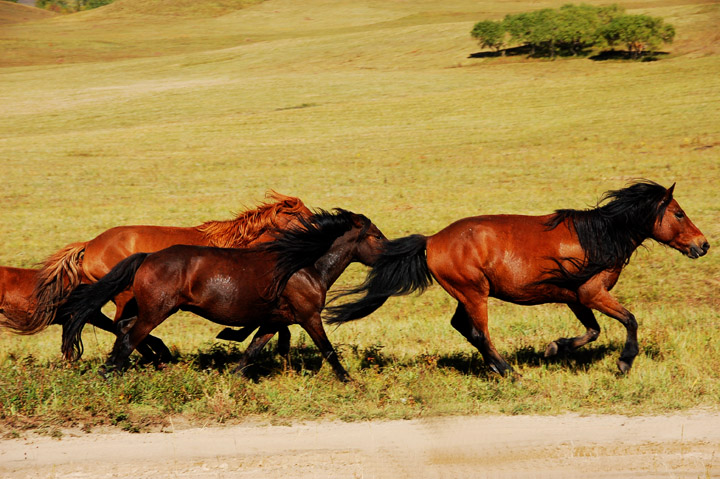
[{"x": 679, "y": 215}]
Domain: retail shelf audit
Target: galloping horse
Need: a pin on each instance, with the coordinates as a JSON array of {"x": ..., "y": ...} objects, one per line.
[
  {"x": 264, "y": 286},
  {"x": 89, "y": 261},
  {"x": 573, "y": 257},
  {"x": 16, "y": 306}
]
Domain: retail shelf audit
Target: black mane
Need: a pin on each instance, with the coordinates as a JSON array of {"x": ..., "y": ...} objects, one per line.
[
  {"x": 610, "y": 232},
  {"x": 298, "y": 245}
]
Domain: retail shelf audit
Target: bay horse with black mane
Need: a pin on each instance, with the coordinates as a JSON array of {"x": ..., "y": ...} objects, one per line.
[
  {"x": 268, "y": 286},
  {"x": 88, "y": 261},
  {"x": 573, "y": 257}
]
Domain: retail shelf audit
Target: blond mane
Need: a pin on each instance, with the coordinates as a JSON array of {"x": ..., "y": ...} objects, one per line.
[{"x": 250, "y": 225}]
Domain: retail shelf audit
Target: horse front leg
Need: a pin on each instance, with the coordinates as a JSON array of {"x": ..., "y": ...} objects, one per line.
[
  {"x": 592, "y": 331},
  {"x": 314, "y": 328},
  {"x": 261, "y": 338},
  {"x": 602, "y": 301}
]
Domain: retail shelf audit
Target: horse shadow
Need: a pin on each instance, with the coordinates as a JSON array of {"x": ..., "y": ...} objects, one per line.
[
  {"x": 268, "y": 363},
  {"x": 575, "y": 362},
  {"x": 306, "y": 358}
]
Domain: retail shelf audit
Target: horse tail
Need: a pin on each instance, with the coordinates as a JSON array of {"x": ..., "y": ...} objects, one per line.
[
  {"x": 400, "y": 269},
  {"x": 56, "y": 279},
  {"x": 88, "y": 299}
]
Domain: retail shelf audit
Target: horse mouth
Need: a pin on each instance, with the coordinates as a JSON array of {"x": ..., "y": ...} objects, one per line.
[{"x": 695, "y": 251}]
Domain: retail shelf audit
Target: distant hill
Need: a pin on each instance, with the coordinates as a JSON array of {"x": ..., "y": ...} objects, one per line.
[
  {"x": 16, "y": 13},
  {"x": 174, "y": 8}
]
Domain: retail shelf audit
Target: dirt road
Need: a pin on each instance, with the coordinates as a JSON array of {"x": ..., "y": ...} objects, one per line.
[{"x": 679, "y": 446}]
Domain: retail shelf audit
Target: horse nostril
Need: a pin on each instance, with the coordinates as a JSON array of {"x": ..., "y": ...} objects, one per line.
[{"x": 705, "y": 247}]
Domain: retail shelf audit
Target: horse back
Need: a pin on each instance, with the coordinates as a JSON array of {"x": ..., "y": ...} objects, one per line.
[
  {"x": 112, "y": 246},
  {"x": 221, "y": 284}
]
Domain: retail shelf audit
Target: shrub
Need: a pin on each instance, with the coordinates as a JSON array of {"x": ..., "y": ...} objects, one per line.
[
  {"x": 490, "y": 34},
  {"x": 638, "y": 32},
  {"x": 573, "y": 29}
]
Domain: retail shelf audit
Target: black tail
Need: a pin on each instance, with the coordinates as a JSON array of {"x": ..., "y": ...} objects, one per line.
[
  {"x": 301, "y": 246},
  {"x": 88, "y": 299},
  {"x": 401, "y": 269}
]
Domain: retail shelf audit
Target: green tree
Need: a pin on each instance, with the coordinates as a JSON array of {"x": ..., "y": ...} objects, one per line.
[
  {"x": 578, "y": 27},
  {"x": 490, "y": 34},
  {"x": 519, "y": 27},
  {"x": 638, "y": 33}
]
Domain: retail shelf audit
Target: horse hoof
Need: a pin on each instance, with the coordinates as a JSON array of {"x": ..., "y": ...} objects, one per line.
[
  {"x": 551, "y": 350},
  {"x": 624, "y": 366}
]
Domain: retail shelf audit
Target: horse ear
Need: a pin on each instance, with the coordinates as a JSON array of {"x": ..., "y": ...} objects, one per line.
[{"x": 668, "y": 195}]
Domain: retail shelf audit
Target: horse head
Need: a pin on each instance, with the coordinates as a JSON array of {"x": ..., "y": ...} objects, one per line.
[{"x": 675, "y": 229}]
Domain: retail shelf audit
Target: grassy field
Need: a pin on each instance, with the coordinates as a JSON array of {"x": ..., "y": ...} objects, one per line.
[{"x": 131, "y": 114}]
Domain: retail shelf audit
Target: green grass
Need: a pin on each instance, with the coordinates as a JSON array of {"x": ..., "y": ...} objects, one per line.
[{"x": 377, "y": 108}]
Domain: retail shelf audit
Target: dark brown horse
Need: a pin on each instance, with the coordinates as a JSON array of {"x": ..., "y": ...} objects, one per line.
[
  {"x": 268, "y": 286},
  {"x": 89, "y": 261},
  {"x": 573, "y": 257},
  {"x": 17, "y": 305}
]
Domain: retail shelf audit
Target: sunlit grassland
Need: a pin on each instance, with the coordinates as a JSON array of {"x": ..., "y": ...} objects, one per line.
[{"x": 376, "y": 108}]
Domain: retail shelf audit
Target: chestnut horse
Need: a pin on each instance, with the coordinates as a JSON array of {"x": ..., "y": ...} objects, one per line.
[
  {"x": 264, "y": 286},
  {"x": 16, "y": 306},
  {"x": 573, "y": 257},
  {"x": 89, "y": 261}
]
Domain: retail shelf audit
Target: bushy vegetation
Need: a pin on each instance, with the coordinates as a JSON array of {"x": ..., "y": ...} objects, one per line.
[
  {"x": 574, "y": 29},
  {"x": 69, "y": 6}
]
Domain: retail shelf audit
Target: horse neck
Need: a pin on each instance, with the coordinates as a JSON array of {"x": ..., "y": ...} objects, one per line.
[{"x": 332, "y": 264}]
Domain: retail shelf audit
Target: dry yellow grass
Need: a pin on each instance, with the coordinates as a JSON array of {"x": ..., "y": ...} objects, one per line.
[{"x": 118, "y": 116}]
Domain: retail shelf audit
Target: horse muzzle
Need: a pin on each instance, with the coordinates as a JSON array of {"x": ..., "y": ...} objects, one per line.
[{"x": 698, "y": 250}]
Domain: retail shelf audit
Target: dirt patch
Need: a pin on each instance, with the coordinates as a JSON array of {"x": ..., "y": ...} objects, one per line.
[{"x": 676, "y": 446}]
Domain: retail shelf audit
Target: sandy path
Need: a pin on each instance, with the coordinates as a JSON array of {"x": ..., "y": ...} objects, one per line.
[{"x": 680, "y": 446}]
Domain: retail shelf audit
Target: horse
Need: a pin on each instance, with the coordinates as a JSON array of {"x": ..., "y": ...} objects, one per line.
[
  {"x": 16, "y": 306},
  {"x": 268, "y": 286},
  {"x": 572, "y": 257},
  {"x": 87, "y": 262}
]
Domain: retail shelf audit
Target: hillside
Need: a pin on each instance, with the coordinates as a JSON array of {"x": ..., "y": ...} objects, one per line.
[
  {"x": 436, "y": 33},
  {"x": 11, "y": 12}
]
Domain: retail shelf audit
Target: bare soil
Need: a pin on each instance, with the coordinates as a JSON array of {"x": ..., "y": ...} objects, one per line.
[{"x": 569, "y": 446}]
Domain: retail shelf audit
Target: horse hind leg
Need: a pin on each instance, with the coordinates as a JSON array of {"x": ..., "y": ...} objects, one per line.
[
  {"x": 471, "y": 320},
  {"x": 152, "y": 349},
  {"x": 564, "y": 345},
  {"x": 148, "y": 319}
]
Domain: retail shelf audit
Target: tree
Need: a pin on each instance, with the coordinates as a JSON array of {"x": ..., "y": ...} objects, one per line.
[
  {"x": 577, "y": 27},
  {"x": 490, "y": 34},
  {"x": 519, "y": 27},
  {"x": 638, "y": 32}
]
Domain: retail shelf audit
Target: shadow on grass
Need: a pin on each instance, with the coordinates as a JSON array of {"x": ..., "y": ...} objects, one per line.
[
  {"x": 268, "y": 362},
  {"x": 605, "y": 55},
  {"x": 304, "y": 358},
  {"x": 609, "y": 55},
  {"x": 574, "y": 362}
]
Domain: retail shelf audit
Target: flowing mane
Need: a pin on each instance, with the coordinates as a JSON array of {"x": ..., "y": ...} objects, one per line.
[
  {"x": 610, "y": 232},
  {"x": 249, "y": 225}
]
